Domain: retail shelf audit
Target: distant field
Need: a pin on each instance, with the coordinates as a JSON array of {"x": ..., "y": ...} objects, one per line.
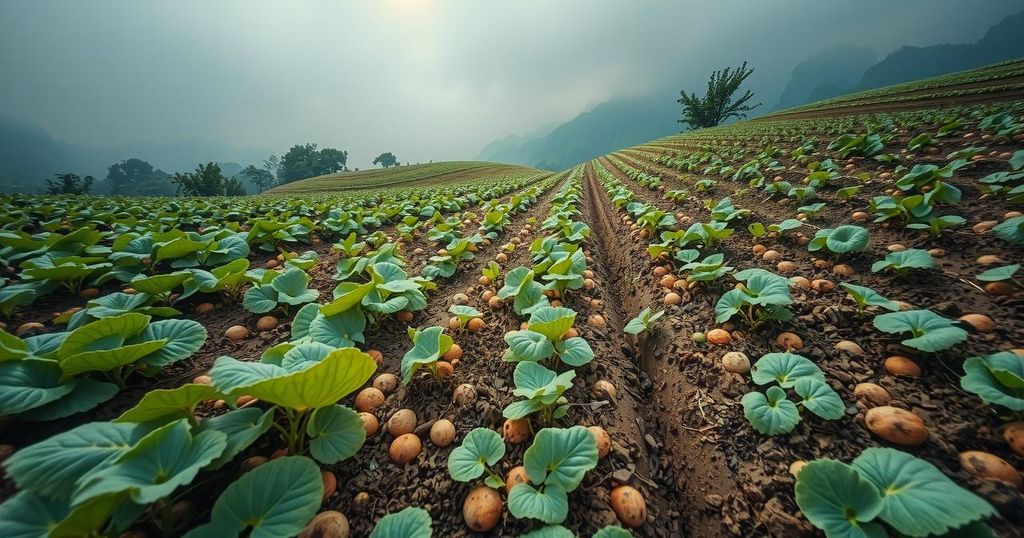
[
  {"x": 1000, "y": 82},
  {"x": 404, "y": 176}
]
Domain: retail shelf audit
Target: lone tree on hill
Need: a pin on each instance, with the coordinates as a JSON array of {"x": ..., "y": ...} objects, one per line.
[
  {"x": 386, "y": 160},
  {"x": 717, "y": 105}
]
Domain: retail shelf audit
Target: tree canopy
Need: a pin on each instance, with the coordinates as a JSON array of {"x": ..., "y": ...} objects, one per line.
[
  {"x": 386, "y": 160},
  {"x": 306, "y": 160},
  {"x": 261, "y": 177},
  {"x": 207, "y": 180},
  {"x": 717, "y": 104},
  {"x": 69, "y": 183}
]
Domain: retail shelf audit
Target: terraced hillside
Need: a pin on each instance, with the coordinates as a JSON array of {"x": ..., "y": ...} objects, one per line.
[
  {"x": 792, "y": 326},
  {"x": 406, "y": 176}
]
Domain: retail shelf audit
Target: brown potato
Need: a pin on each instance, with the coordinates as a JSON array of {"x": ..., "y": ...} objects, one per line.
[
  {"x": 604, "y": 441},
  {"x": 446, "y": 369},
  {"x": 474, "y": 325},
  {"x": 266, "y": 323},
  {"x": 853, "y": 348},
  {"x": 405, "y": 448},
  {"x": 370, "y": 423},
  {"x": 442, "y": 432},
  {"x": 251, "y": 463},
  {"x": 872, "y": 394},
  {"x": 482, "y": 509},
  {"x": 516, "y": 431},
  {"x": 454, "y": 353},
  {"x": 369, "y": 399},
  {"x": 1014, "y": 435},
  {"x": 517, "y": 475},
  {"x": 330, "y": 485},
  {"x": 596, "y": 320},
  {"x": 629, "y": 506},
  {"x": 899, "y": 365},
  {"x": 789, "y": 341},
  {"x": 329, "y": 524},
  {"x": 376, "y": 355},
  {"x": 236, "y": 332},
  {"x": 736, "y": 362},
  {"x": 404, "y": 316},
  {"x": 402, "y": 422},
  {"x": 204, "y": 308},
  {"x": 990, "y": 467},
  {"x": 979, "y": 322},
  {"x": 464, "y": 394},
  {"x": 386, "y": 383},
  {"x": 719, "y": 337},
  {"x": 896, "y": 425},
  {"x": 672, "y": 298},
  {"x": 604, "y": 389}
]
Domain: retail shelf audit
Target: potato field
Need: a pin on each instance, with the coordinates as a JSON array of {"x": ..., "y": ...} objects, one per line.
[{"x": 808, "y": 324}]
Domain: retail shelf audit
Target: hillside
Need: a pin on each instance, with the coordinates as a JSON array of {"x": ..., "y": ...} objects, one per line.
[{"x": 404, "y": 176}]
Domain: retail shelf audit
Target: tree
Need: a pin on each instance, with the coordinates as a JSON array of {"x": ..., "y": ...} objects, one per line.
[
  {"x": 717, "y": 104},
  {"x": 305, "y": 160},
  {"x": 121, "y": 175},
  {"x": 207, "y": 180},
  {"x": 260, "y": 177},
  {"x": 69, "y": 183},
  {"x": 272, "y": 164},
  {"x": 386, "y": 160}
]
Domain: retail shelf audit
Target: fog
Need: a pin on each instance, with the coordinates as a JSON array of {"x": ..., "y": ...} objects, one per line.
[{"x": 426, "y": 79}]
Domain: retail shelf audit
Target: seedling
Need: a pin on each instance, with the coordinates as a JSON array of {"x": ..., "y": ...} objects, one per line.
[
  {"x": 643, "y": 322},
  {"x": 997, "y": 379},
  {"x": 929, "y": 331},
  {"x": 865, "y": 297},
  {"x": 479, "y": 452},
  {"x": 763, "y": 298},
  {"x": 903, "y": 261},
  {"x": 772, "y": 413},
  {"x": 555, "y": 464}
]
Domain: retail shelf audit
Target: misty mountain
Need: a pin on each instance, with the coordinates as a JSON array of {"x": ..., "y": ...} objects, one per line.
[
  {"x": 1001, "y": 42},
  {"x": 29, "y": 155},
  {"x": 829, "y": 73},
  {"x": 607, "y": 127}
]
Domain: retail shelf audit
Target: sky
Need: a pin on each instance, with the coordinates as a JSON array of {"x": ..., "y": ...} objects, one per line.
[{"x": 426, "y": 79}]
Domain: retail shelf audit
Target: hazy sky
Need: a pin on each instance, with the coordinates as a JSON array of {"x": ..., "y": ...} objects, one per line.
[{"x": 427, "y": 79}]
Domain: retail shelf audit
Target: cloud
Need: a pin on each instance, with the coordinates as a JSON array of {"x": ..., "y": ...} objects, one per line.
[{"x": 427, "y": 79}]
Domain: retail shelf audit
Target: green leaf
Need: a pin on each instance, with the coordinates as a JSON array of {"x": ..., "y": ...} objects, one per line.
[
  {"x": 52, "y": 467},
  {"x": 838, "y": 500},
  {"x": 352, "y": 294},
  {"x": 612, "y": 531},
  {"x": 1017, "y": 160},
  {"x": 184, "y": 337},
  {"x": 159, "y": 284},
  {"x": 29, "y": 383},
  {"x": 428, "y": 347},
  {"x": 27, "y": 515},
  {"x": 103, "y": 334},
  {"x": 784, "y": 369},
  {"x": 339, "y": 330},
  {"x": 167, "y": 405},
  {"x": 260, "y": 299},
  {"x": 560, "y": 457},
  {"x": 291, "y": 287},
  {"x": 335, "y": 433},
  {"x": 527, "y": 346},
  {"x": 552, "y": 322},
  {"x": 930, "y": 331},
  {"x": 85, "y": 394},
  {"x": 549, "y": 506},
  {"x": 242, "y": 428},
  {"x": 770, "y": 414},
  {"x": 464, "y": 312},
  {"x": 819, "y": 398},
  {"x": 159, "y": 463},
  {"x": 481, "y": 449},
  {"x": 985, "y": 377},
  {"x": 319, "y": 385},
  {"x": 916, "y": 498},
  {"x": 275, "y": 499},
  {"x": 999, "y": 273},
  {"x": 106, "y": 360},
  {"x": 574, "y": 351},
  {"x": 868, "y": 297},
  {"x": 411, "y": 522}
]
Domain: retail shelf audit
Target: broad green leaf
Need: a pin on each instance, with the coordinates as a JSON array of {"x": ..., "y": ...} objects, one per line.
[
  {"x": 835, "y": 498},
  {"x": 930, "y": 331},
  {"x": 351, "y": 296},
  {"x": 301, "y": 356},
  {"x": 28, "y": 515},
  {"x": 560, "y": 457},
  {"x": 558, "y": 531},
  {"x": 85, "y": 394},
  {"x": 999, "y": 273},
  {"x": 29, "y": 383},
  {"x": 339, "y": 330},
  {"x": 321, "y": 384},
  {"x": 847, "y": 238},
  {"x": 865, "y": 296},
  {"x": 167, "y": 405},
  {"x": 819, "y": 398},
  {"x": 275, "y": 499},
  {"x": 335, "y": 433},
  {"x": 574, "y": 351},
  {"x": 260, "y": 299},
  {"x": 981, "y": 380},
  {"x": 105, "y": 360},
  {"x": 612, "y": 531},
  {"x": 549, "y": 506},
  {"x": 770, "y": 413},
  {"x": 552, "y": 322},
  {"x": 411, "y": 522},
  {"x": 916, "y": 498},
  {"x": 784, "y": 369},
  {"x": 159, "y": 284},
  {"x": 527, "y": 345},
  {"x": 480, "y": 449},
  {"x": 103, "y": 334},
  {"x": 184, "y": 337},
  {"x": 291, "y": 287},
  {"x": 52, "y": 467},
  {"x": 242, "y": 428},
  {"x": 159, "y": 463},
  {"x": 428, "y": 346}
]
